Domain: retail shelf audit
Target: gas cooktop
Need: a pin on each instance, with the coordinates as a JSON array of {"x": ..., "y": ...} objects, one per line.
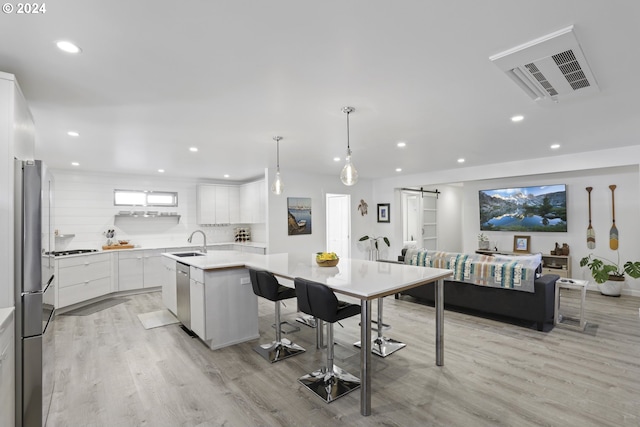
[{"x": 71, "y": 252}]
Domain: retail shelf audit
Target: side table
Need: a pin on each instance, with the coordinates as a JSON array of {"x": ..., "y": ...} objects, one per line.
[{"x": 576, "y": 284}]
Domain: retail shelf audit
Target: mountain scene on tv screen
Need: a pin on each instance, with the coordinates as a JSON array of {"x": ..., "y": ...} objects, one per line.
[{"x": 524, "y": 209}]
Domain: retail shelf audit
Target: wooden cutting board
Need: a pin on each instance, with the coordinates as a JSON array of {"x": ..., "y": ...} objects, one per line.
[{"x": 108, "y": 247}]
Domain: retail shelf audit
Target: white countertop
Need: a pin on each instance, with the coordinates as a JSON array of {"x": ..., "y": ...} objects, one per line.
[{"x": 357, "y": 278}]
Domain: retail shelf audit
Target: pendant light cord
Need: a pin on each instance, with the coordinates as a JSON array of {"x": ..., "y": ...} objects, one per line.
[
  {"x": 278, "y": 155},
  {"x": 348, "y": 146}
]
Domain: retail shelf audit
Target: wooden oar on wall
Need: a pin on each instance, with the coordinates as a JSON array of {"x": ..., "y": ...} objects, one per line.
[
  {"x": 591, "y": 233},
  {"x": 613, "y": 233}
]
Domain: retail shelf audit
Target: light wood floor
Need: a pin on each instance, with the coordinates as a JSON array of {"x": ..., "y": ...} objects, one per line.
[{"x": 113, "y": 372}]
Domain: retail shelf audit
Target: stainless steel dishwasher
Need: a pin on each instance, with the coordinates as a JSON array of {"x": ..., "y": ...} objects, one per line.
[{"x": 184, "y": 295}]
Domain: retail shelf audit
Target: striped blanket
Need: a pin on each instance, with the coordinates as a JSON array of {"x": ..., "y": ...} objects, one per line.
[{"x": 509, "y": 272}]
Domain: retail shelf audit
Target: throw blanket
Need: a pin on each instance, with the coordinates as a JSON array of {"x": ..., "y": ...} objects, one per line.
[{"x": 509, "y": 272}]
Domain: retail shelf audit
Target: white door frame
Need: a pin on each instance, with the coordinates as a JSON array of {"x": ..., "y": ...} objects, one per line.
[{"x": 338, "y": 209}]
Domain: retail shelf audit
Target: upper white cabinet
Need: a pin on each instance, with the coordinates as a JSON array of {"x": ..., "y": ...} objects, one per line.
[
  {"x": 253, "y": 202},
  {"x": 218, "y": 204}
]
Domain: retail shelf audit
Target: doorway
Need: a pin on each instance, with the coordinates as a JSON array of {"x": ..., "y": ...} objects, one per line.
[{"x": 339, "y": 224}]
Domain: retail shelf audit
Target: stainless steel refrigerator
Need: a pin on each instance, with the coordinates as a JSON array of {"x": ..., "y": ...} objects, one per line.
[{"x": 34, "y": 292}]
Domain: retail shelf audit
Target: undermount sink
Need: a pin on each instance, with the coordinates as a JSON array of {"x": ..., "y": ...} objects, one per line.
[{"x": 187, "y": 254}]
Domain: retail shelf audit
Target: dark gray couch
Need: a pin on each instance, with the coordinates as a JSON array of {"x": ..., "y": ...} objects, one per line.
[{"x": 535, "y": 306}]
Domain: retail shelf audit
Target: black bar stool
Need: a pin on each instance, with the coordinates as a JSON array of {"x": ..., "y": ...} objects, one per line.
[
  {"x": 266, "y": 285},
  {"x": 329, "y": 382}
]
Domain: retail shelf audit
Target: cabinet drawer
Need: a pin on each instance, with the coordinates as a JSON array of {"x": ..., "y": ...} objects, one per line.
[
  {"x": 84, "y": 291},
  {"x": 82, "y": 273},
  {"x": 130, "y": 254},
  {"x": 559, "y": 271},
  {"x": 81, "y": 260},
  {"x": 196, "y": 274}
]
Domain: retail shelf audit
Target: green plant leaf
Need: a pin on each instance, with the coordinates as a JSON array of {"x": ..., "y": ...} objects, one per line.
[
  {"x": 632, "y": 269},
  {"x": 363, "y": 238},
  {"x": 386, "y": 241}
]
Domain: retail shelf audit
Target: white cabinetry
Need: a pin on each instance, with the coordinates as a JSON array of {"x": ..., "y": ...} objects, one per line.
[
  {"x": 140, "y": 269},
  {"x": 224, "y": 309},
  {"x": 7, "y": 368},
  {"x": 218, "y": 204},
  {"x": 130, "y": 270},
  {"x": 153, "y": 268},
  {"x": 169, "y": 285},
  {"x": 81, "y": 278},
  {"x": 253, "y": 202}
]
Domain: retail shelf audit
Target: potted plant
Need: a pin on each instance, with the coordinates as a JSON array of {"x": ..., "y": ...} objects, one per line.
[
  {"x": 483, "y": 241},
  {"x": 608, "y": 274},
  {"x": 375, "y": 240}
]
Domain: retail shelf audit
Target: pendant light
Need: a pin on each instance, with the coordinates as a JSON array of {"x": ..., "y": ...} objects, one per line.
[
  {"x": 349, "y": 174},
  {"x": 277, "y": 187}
]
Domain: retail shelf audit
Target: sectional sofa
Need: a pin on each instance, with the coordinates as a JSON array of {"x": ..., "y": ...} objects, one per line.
[{"x": 508, "y": 286}]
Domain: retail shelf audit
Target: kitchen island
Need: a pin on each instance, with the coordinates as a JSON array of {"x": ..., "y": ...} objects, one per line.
[{"x": 365, "y": 280}]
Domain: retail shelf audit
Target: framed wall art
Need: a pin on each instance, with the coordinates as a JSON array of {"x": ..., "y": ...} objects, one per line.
[
  {"x": 384, "y": 214},
  {"x": 522, "y": 244},
  {"x": 299, "y": 215}
]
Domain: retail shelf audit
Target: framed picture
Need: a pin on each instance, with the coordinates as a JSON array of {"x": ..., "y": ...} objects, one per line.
[
  {"x": 299, "y": 215},
  {"x": 383, "y": 212},
  {"x": 522, "y": 244}
]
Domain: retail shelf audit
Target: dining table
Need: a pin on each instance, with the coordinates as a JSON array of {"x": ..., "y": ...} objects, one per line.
[{"x": 367, "y": 281}]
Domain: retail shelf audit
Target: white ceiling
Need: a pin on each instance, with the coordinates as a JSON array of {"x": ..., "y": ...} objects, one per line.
[{"x": 157, "y": 77}]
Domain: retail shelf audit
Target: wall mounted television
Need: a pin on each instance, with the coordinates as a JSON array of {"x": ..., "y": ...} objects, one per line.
[{"x": 541, "y": 208}]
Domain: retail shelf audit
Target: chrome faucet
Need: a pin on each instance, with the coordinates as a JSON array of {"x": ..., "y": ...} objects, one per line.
[{"x": 204, "y": 236}]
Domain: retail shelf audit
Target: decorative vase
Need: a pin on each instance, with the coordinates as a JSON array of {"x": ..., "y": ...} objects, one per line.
[
  {"x": 483, "y": 244},
  {"x": 612, "y": 287}
]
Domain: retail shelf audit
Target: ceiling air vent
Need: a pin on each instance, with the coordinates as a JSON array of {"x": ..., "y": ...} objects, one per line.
[{"x": 550, "y": 68}]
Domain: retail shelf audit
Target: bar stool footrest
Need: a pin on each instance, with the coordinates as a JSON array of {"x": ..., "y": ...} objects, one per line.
[
  {"x": 286, "y": 327},
  {"x": 309, "y": 321}
]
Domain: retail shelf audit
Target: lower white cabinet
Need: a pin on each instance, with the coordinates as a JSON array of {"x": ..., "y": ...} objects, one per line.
[
  {"x": 7, "y": 367},
  {"x": 130, "y": 270},
  {"x": 153, "y": 268},
  {"x": 82, "y": 278},
  {"x": 169, "y": 285},
  {"x": 224, "y": 309}
]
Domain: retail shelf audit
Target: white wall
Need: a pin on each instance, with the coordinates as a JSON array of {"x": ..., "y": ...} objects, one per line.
[
  {"x": 595, "y": 169},
  {"x": 84, "y": 207},
  {"x": 316, "y": 187}
]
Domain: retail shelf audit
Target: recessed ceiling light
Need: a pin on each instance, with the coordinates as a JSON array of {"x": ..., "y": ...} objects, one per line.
[
  {"x": 336, "y": 159},
  {"x": 193, "y": 149},
  {"x": 398, "y": 169},
  {"x": 73, "y": 133},
  {"x": 517, "y": 118},
  {"x": 68, "y": 47},
  {"x": 226, "y": 175},
  {"x": 401, "y": 144},
  {"x": 75, "y": 164},
  {"x": 161, "y": 170},
  {"x": 460, "y": 160},
  {"x": 555, "y": 146}
]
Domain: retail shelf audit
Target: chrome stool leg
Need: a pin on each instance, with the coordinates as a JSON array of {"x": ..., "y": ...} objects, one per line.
[
  {"x": 330, "y": 382},
  {"x": 281, "y": 348},
  {"x": 381, "y": 345}
]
